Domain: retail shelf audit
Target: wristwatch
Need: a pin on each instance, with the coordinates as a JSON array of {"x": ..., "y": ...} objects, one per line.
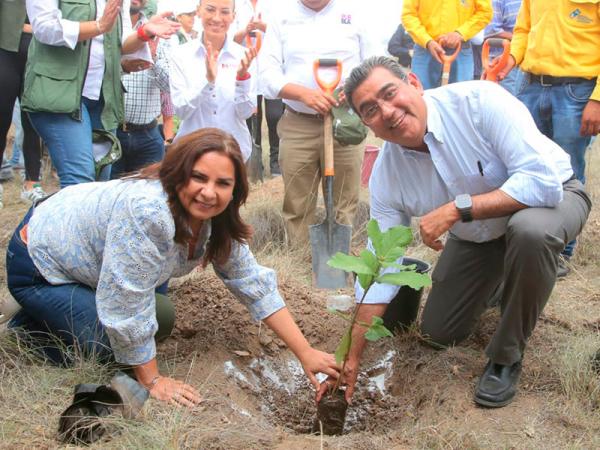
[{"x": 464, "y": 204}]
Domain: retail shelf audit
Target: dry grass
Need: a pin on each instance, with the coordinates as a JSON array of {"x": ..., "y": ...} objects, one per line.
[{"x": 559, "y": 406}]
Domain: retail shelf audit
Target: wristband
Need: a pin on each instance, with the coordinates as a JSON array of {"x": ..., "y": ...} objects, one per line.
[
  {"x": 152, "y": 383},
  {"x": 245, "y": 77},
  {"x": 141, "y": 33}
]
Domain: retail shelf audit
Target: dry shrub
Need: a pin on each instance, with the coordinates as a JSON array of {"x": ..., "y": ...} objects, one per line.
[{"x": 579, "y": 369}]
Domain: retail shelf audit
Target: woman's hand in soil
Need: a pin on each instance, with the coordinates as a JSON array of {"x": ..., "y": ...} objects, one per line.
[
  {"x": 348, "y": 380},
  {"x": 175, "y": 392},
  {"x": 315, "y": 361}
]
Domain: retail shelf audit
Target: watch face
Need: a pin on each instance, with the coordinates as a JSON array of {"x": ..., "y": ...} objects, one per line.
[{"x": 463, "y": 201}]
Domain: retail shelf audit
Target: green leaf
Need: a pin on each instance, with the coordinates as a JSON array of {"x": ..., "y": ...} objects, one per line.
[
  {"x": 371, "y": 260},
  {"x": 399, "y": 236},
  {"x": 346, "y": 316},
  {"x": 412, "y": 279},
  {"x": 374, "y": 233},
  {"x": 377, "y": 331},
  {"x": 394, "y": 253},
  {"x": 365, "y": 280},
  {"x": 350, "y": 263},
  {"x": 343, "y": 347}
]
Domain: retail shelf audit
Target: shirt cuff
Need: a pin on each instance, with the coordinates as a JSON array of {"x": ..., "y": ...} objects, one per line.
[
  {"x": 533, "y": 192},
  {"x": 269, "y": 304},
  {"x": 378, "y": 294},
  {"x": 131, "y": 354},
  {"x": 70, "y": 32}
]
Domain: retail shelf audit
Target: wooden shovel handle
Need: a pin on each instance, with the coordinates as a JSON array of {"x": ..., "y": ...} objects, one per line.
[
  {"x": 447, "y": 64},
  {"x": 257, "y": 43},
  {"x": 328, "y": 151},
  {"x": 327, "y": 123}
]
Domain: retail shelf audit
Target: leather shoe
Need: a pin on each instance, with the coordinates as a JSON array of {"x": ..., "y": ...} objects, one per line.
[{"x": 498, "y": 385}]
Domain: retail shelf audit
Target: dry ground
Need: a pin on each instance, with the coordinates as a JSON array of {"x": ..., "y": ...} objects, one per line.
[{"x": 260, "y": 401}]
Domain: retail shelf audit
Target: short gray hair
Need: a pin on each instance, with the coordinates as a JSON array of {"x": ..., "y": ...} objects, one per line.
[{"x": 361, "y": 72}]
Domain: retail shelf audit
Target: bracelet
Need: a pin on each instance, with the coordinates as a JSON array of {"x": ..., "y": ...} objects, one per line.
[
  {"x": 245, "y": 77},
  {"x": 152, "y": 383},
  {"x": 141, "y": 33}
]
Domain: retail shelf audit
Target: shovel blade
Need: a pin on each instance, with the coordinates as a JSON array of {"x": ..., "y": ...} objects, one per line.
[
  {"x": 324, "y": 245},
  {"x": 255, "y": 166}
]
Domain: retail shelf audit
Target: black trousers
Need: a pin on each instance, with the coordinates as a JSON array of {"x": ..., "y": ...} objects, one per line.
[
  {"x": 274, "y": 111},
  {"x": 12, "y": 72}
]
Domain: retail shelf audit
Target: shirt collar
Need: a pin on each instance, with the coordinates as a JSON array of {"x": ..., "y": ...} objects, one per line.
[
  {"x": 306, "y": 9},
  {"x": 434, "y": 121},
  {"x": 225, "y": 50}
]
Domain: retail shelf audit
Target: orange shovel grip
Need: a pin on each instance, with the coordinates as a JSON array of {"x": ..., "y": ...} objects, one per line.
[
  {"x": 328, "y": 87},
  {"x": 257, "y": 42},
  {"x": 491, "y": 72}
]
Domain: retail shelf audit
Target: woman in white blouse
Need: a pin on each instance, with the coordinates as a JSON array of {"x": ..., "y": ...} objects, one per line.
[
  {"x": 211, "y": 85},
  {"x": 73, "y": 75}
]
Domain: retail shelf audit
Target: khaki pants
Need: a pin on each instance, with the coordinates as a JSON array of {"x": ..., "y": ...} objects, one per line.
[
  {"x": 301, "y": 160},
  {"x": 525, "y": 259}
]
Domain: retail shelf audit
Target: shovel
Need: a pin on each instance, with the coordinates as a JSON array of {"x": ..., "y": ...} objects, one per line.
[
  {"x": 329, "y": 237},
  {"x": 255, "y": 165},
  {"x": 447, "y": 61},
  {"x": 490, "y": 72}
]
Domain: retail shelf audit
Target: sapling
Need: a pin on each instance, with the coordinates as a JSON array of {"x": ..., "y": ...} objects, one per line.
[{"x": 378, "y": 265}]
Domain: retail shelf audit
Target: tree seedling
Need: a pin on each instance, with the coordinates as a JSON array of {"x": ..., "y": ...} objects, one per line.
[{"x": 378, "y": 265}]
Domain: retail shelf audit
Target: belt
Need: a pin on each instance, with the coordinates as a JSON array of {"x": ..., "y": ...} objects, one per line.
[
  {"x": 303, "y": 114},
  {"x": 136, "y": 127},
  {"x": 549, "y": 80}
]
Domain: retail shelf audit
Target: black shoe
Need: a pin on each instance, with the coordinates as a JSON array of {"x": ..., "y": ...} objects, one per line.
[
  {"x": 563, "y": 268},
  {"x": 498, "y": 385}
]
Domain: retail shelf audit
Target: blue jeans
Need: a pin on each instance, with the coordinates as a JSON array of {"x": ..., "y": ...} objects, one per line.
[
  {"x": 139, "y": 148},
  {"x": 61, "y": 321},
  {"x": 17, "y": 149},
  {"x": 514, "y": 82},
  {"x": 69, "y": 142},
  {"x": 429, "y": 70},
  {"x": 557, "y": 112}
]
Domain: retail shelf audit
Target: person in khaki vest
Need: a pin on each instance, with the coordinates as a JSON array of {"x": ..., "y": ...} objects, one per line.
[{"x": 73, "y": 76}]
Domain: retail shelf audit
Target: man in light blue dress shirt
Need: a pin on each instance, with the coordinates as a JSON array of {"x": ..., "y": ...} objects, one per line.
[{"x": 468, "y": 160}]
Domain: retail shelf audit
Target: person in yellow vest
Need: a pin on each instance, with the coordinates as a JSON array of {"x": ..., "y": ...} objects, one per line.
[
  {"x": 561, "y": 65},
  {"x": 73, "y": 76},
  {"x": 436, "y": 25}
]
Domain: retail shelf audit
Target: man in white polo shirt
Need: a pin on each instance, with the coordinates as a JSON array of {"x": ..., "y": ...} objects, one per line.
[
  {"x": 468, "y": 160},
  {"x": 312, "y": 29}
]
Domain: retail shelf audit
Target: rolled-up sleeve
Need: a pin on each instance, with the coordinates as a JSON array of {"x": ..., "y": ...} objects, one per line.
[
  {"x": 533, "y": 177},
  {"x": 139, "y": 237},
  {"x": 48, "y": 25},
  {"x": 253, "y": 285}
]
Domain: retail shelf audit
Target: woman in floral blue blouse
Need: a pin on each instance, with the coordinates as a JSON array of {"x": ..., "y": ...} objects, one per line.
[{"x": 85, "y": 263}]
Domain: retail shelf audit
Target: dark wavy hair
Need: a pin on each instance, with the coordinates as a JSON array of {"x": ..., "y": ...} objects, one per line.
[{"x": 175, "y": 171}]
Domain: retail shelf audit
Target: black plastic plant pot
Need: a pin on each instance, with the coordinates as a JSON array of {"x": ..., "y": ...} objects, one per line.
[
  {"x": 331, "y": 414},
  {"x": 402, "y": 311}
]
